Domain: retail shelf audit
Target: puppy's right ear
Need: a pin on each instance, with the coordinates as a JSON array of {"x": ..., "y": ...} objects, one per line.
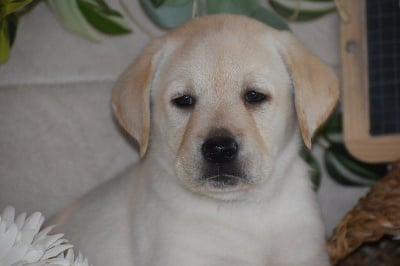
[{"x": 131, "y": 95}]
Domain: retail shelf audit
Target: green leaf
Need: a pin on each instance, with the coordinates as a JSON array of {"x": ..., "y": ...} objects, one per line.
[
  {"x": 366, "y": 170},
  {"x": 12, "y": 26},
  {"x": 103, "y": 18},
  {"x": 302, "y": 11},
  {"x": 72, "y": 19},
  {"x": 338, "y": 172},
  {"x": 271, "y": 19},
  {"x": 176, "y": 2},
  {"x": 10, "y": 6},
  {"x": 240, "y": 7},
  {"x": 168, "y": 17},
  {"x": 157, "y": 3},
  {"x": 4, "y": 42},
  {"x": 102, "y": 5},
  {"x": 247, "y": 8},
  {"x": 315, "y": 174},
  {"x": 346, "y": 169},
  {"x": 332, "y": 130}
]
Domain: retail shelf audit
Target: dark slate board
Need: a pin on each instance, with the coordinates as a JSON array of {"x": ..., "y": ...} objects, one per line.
[{"x": 383, "y": 31}]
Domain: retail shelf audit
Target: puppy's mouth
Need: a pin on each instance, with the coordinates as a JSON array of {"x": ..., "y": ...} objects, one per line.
[
  {"x": 222, "y": 181},
  {"x": 222, "y": 177}
]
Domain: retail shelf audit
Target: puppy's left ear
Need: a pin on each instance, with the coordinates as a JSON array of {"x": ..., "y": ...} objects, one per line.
[{"x": 316, "y": 86}]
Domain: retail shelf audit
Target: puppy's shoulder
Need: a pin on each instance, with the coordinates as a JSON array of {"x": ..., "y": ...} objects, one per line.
[{"x": 99, "y": 221}]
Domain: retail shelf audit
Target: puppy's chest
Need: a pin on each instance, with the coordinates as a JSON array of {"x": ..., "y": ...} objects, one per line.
[{"x": 206, "y": 240}]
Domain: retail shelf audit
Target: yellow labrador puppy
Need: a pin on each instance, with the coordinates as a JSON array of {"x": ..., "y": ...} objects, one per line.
[{"x": 216, "y": 107}]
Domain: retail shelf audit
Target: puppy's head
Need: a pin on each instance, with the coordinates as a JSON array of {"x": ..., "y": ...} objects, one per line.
[{"x": 222, "y": 96}]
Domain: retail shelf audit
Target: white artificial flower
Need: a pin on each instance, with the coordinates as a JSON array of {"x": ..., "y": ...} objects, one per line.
[{"x": 23, "y": 243}]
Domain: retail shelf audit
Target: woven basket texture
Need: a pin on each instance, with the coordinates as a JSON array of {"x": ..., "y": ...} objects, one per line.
[{"x": 365, "y": 236}]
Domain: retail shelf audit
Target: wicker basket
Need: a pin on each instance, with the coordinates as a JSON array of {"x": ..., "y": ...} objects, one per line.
[{"x": 366, "y": 235}]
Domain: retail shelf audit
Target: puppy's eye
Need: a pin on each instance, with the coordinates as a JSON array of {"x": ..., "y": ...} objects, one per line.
[
  {"x": 253, "y": 97},
  {"x": 185, "y": 101}
]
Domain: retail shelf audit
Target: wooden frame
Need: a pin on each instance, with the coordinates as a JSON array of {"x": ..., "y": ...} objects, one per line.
[{"x": 355, "y": 97}]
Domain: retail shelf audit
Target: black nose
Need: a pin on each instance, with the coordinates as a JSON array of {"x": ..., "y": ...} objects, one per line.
[{"x": 219, "y": 149}]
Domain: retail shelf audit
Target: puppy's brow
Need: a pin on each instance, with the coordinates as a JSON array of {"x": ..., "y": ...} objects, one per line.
[
  {"x": 178, "y": 88},
  {"x": 257, "y": 80},
  {"x": 182, "y": 92}
]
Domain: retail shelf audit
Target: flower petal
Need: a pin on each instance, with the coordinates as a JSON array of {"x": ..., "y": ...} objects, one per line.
[
  {"x": 26, "y": 236},
  {"x": 3, "y": 226},
  {"x": 33, "y": 255},
  {"x": 70, "y": 255},
  {"x": 53, "y": 252},
  {"x": 20, "y": 221},
  {"x": 34, "y": 222},
  {"x": 7, "y": 240},
  {"x": 43, "y": 234},
  {"x": 8, "y": 215},
  {"x": 55, "y": 262},
  {"x": 58, "y": 242},
  {"x": 50, "y": 241},
  {"x": 16, "y": 254}
]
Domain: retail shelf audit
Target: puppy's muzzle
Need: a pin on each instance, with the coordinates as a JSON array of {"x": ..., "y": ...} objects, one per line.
[{"x": 221, "y": 165}]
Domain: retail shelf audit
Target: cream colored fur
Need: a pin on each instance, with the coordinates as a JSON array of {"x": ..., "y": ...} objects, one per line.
[{"x": 156, "y": 213}]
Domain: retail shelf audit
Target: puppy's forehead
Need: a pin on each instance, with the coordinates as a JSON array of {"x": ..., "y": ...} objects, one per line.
[
  {"x": 224, "y": 46},
  {"x": 215, "y": 48}
]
